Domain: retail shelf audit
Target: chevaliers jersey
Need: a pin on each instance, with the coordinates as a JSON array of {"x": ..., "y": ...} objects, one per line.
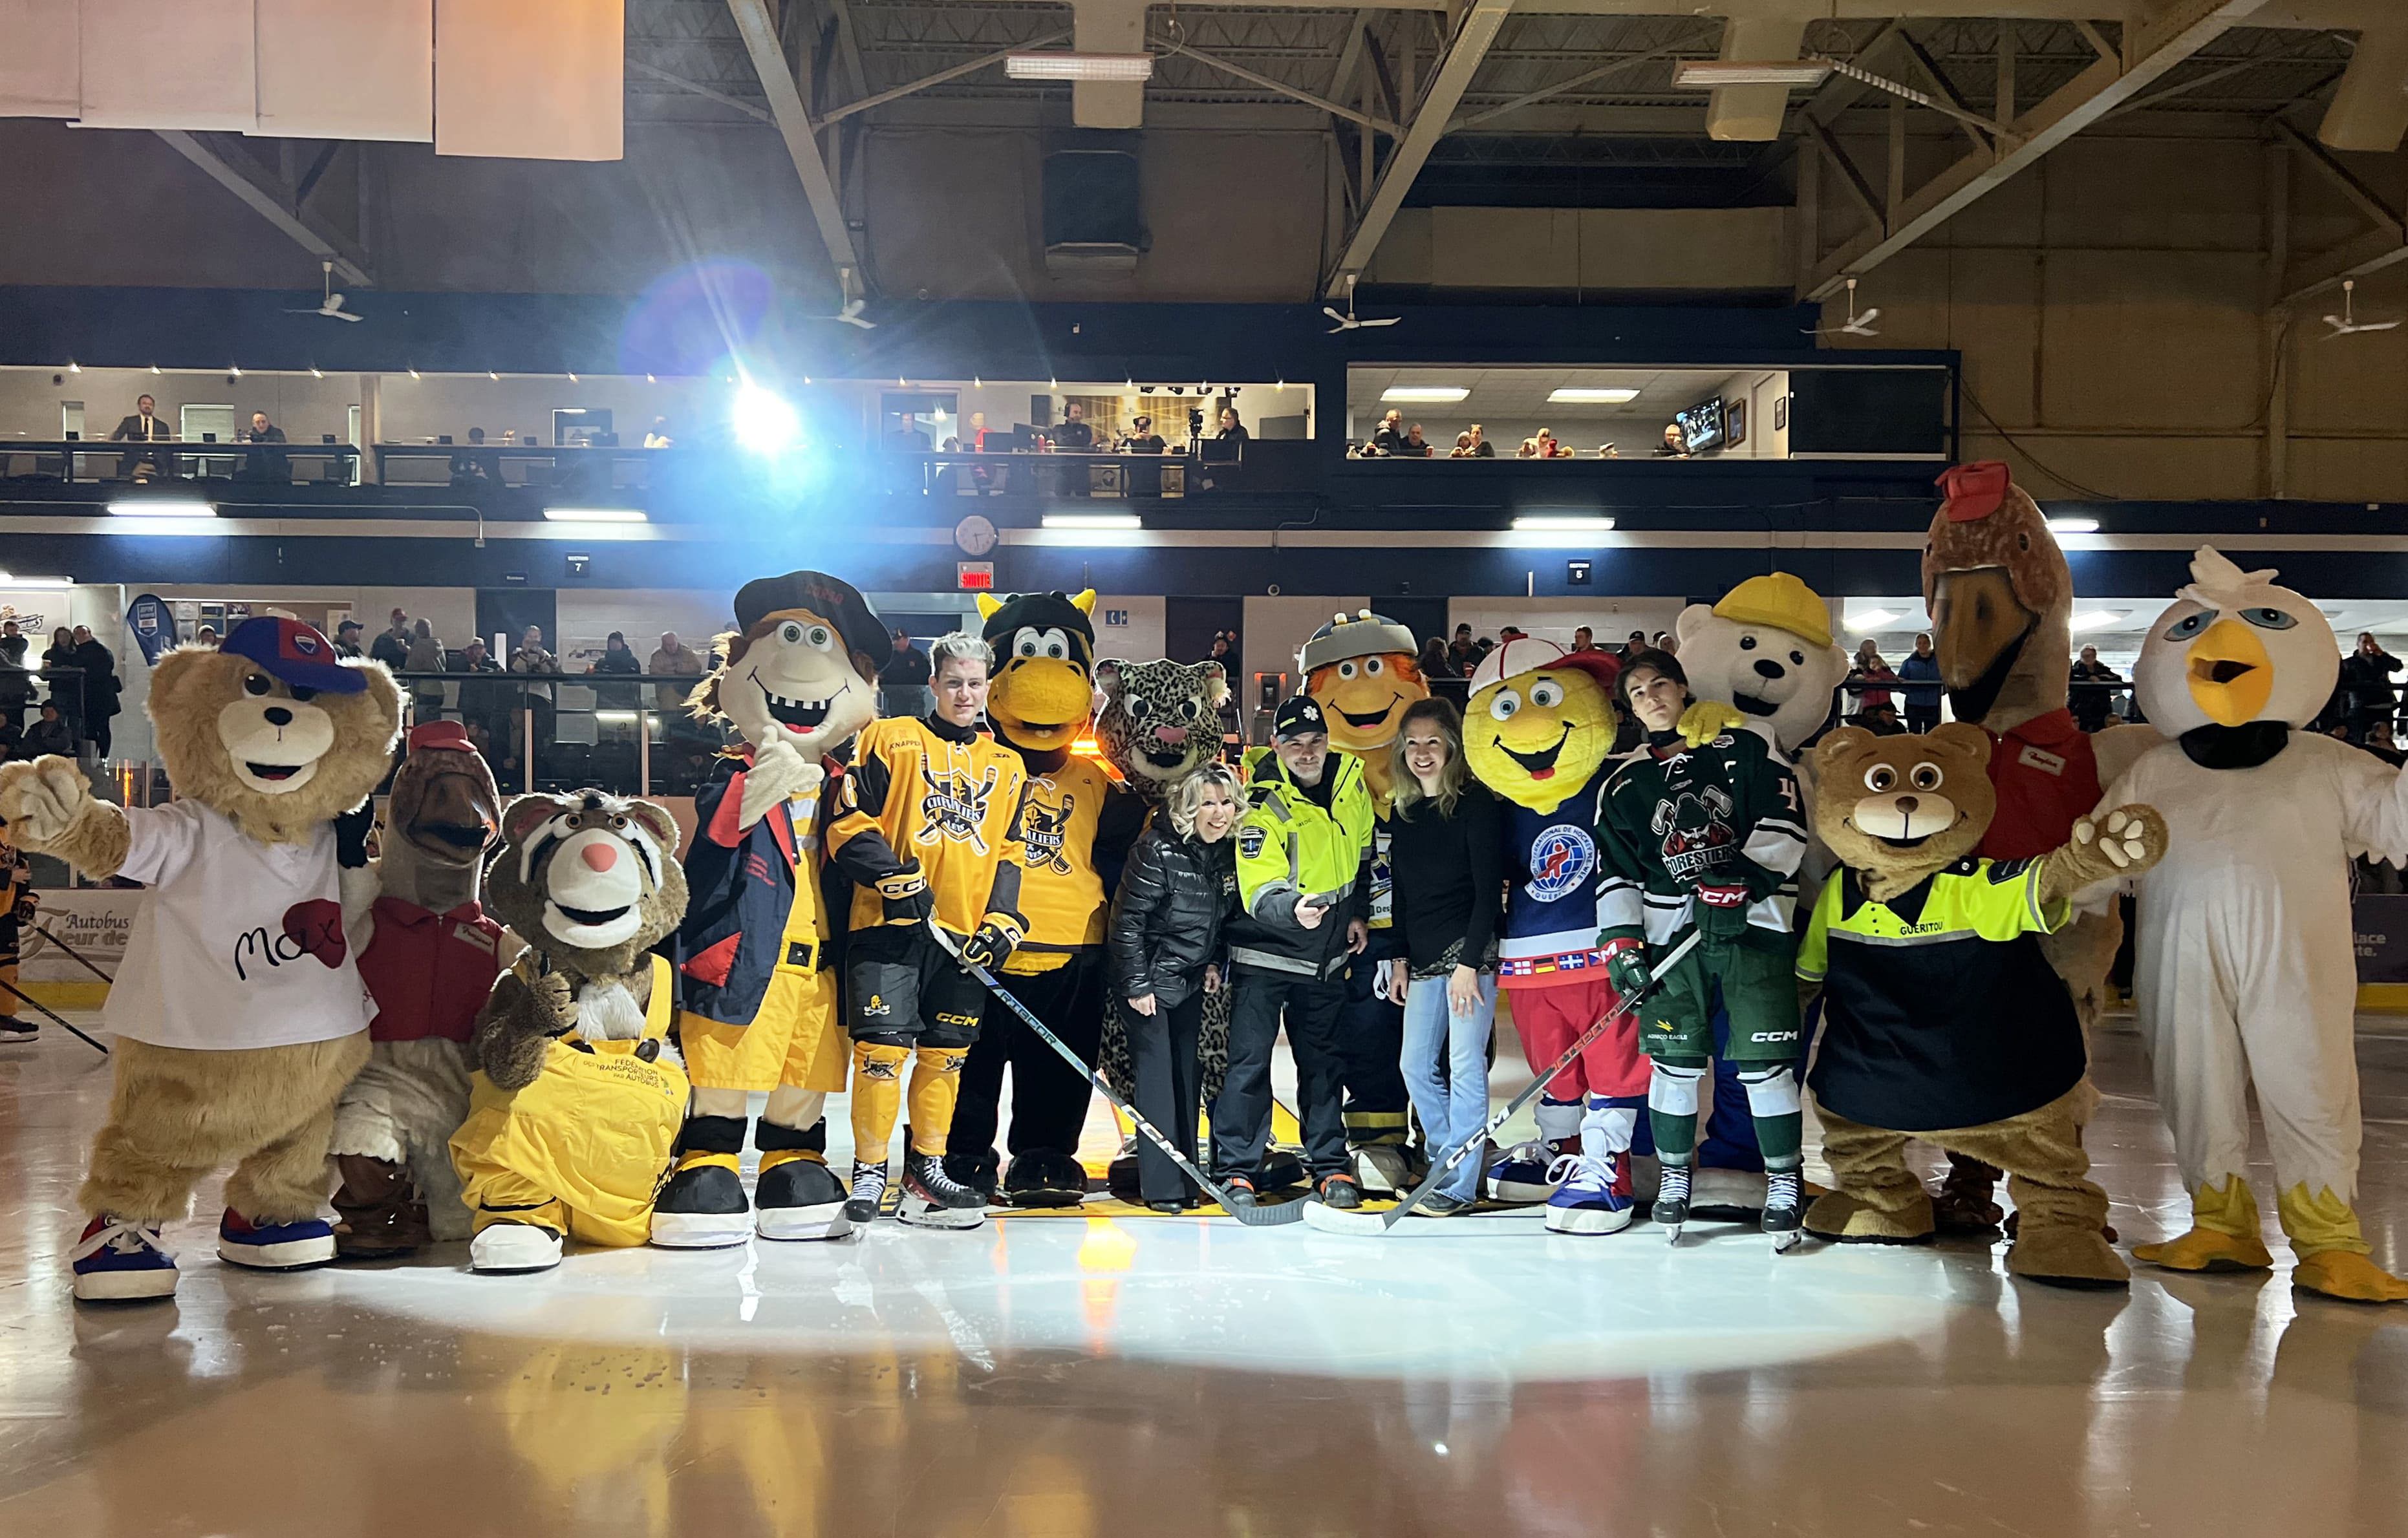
[
  {"x": 1551, "y": 913},
  {"x": 1724, "y": 814},
  {"x": 1076, "y": 821},
  {"x": 948, "y": 798}
]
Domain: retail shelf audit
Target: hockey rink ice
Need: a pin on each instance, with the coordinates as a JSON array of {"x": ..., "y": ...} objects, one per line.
[{"x": 1077, "y": 1376}]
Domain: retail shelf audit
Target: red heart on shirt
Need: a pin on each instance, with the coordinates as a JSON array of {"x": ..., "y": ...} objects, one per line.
[{"x": 317, "y": 927}]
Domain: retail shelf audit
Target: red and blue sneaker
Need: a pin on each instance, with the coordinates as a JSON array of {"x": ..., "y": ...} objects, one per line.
[
  {"x": 120, "y": 1259},
  {"x": 1595, "y": 1195},
  {"x": 274, "y": 1247}
]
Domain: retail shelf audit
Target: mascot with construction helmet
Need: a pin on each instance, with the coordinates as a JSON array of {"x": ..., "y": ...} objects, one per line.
[
  {"x": 798, "y": 681},
  {"x": 2245, "y": 973},
  {"x": 1538, "y": 733},
  {"x": 1079, "y": 829},
  {"x": 1362, "y": 671}
]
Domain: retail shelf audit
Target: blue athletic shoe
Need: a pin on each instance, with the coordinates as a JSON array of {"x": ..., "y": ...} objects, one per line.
[
  {"x": 1520, "y": 1173},
  {"x": 1595, "y": 1196},
  {"x": 118, "y": 1258},
  {"x": 274, "y": 1247}
]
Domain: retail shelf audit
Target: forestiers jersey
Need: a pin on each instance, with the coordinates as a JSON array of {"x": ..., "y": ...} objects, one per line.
[{"x": 1725, "y": 814}]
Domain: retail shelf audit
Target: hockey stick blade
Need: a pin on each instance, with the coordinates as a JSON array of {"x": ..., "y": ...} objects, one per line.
[
  {"x": 1373, "y": 1223},
  {"x": 61, "y": 1020},
  {"x": 1251, "y": 1215}
]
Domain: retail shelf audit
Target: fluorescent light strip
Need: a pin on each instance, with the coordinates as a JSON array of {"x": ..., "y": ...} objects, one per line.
[
  {"x": 10, "y": 580},
  {"x": 1550, "y": 525},
  {"x": 1706, "y": 74},
  {"x": 2073, "y": 525},
  {"x": 595, "y": 515},
  {"x": 1068, "y": 65},
  {"x": 1425, "y": 394},
  {"x": 2095, "y": 619},
  {"x": 160, "y": 507},
  {"x": 1093, "y": 522},
  {"x": 1870, "y": 619},
  {"x": 1593, "y": 398}
]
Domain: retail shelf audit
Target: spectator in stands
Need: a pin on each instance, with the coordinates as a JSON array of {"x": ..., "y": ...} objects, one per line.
[
  {"x": 903, "y": 682},
  {"x": 58, "y": 666},
  {"x": 206, "y": 635},
  {"x": 1879, "y": 720},
  {"x": 2366, "y": 679},
  {"x": 425, "y": 656},
  {"x": 1434, "y": 659},
  {"x": 1632, "y": 645},
  {"x": 144, "y": 426},
  {"x": 1073, "y": 433},
  {"x": 469, "y": 469},
  {"x": 16, "y": 679},
  {"x": 1529, "y": 449},
  {"x": 346, "y": 639},
  {"x": 1675, "y": 445},
  {"x": 101, "y": 688},
  {"x": 1549, "y": 448},
  {"x": 1608, "y": 451},
  {"x": 1415, "y": 447},
  {"x": 1219, "y": 652},
  {"x": 268, "y": 464},
  {"x": 1142, "y": 438},
  {"x": 12, "y": 740},
  {"x": 1232, "y": 430},
  {"x": 260, "y": 431},
  {"x": 1920, "y": 674},
  {"x": 482, "y": 706},
  {"x": 1462, "y": 449},
  {"x": 657, "y": 435},
  {"x": 1870, "y": 676},
  {"x": 1583, "y": 638},
  {"x": 1458, "y": 651},
  {"x": 49, "y": 734},
  {"x": 531, "y": 656},
  {"x": 531, "y": 661},
  {"x": 673, "y": 659},
  {"x": 391, "y": 645},
  {"x": 1481, "y": 447},
  {"x": 2091, "y": 706},
  {"x": 1666, "y": 644},
  {"x": 1389, "y": 436},
  {"x": 617, "y": 658}
]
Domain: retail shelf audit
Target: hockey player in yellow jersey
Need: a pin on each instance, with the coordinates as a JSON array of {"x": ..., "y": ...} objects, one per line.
[
  {"x": 1079, "y": 829},
  {"x": 927, "y": 825}
]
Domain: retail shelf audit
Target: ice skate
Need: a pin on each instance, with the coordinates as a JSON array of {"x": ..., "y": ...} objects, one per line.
[
  {"x": 868, "y": 1190},
  {"x": 1785, "y": 1203},
  {"x": 1671, "y": 1209},
  {"x": 933, "y": 1199}
]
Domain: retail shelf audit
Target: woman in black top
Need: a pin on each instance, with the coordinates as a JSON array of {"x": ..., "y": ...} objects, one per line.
[
  {"x": 1446, "y": 859},
  {"x": 1165, "y": 948}
]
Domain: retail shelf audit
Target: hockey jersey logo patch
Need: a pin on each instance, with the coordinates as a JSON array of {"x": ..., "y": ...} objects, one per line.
[
  {"x": 1698, "y": 840},
  {"x": 1047, "y": 830},
  {"x": 1562, "y": 858},
  {"x": 954, "y": 807}
]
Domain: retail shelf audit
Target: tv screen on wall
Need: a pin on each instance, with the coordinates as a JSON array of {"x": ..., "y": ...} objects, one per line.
[{"x": 1702, "y": 425}]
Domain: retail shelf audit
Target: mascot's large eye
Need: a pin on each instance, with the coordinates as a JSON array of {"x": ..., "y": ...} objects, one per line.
[
  {"x": 1879, "y": 777},
  {"x": 301, "y": 691},
  {"x": 1924, "y": 777},
  {"x": 1026, "y": 644},
  {"x": 1796, "y": 658},
  {"x": 820, "y": 636},
  {"x": 1372, "y": 667},
  {"x": 1190, "y": 708},
  {"x": 257, "y": 683},
  {"x": 1054, "y": 644},
  {"x": 1546, "y": 692},
  {"x": 1346, "y": 670},
  {"x": 1504, "y": 705},
  {"x": 1139, "y": 709},
  {"x": 1747, "y": 643},
  {"x": 2191, "y": 625},
  {"x": 2269, "y": 618}
]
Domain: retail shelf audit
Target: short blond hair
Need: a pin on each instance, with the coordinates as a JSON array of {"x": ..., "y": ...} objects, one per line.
[{"x": 1186, "y": 798}]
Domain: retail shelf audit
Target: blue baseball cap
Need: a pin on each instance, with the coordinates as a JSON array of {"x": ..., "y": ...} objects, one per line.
[{"x": 293, "y": 653}]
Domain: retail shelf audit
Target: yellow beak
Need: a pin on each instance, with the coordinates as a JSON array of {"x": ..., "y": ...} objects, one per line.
[{"x": 2230, "y": 676}]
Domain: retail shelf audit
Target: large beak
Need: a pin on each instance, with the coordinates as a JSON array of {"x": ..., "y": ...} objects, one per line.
[
  {"x": 1977, "y": 621},
  {"x": 2231, "y": 674}
]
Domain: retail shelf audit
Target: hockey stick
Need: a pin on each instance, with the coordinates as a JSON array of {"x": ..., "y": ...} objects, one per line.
[
  {"x": 1250, "y": 1213},
  {"x": 73, "y": 955},
  {"x": 1329, "y": 1220},
  {"x": 14, "y": 993}
]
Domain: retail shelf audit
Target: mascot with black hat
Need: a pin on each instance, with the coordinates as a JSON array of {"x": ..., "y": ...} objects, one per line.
[{"x": 759, "y": 984}]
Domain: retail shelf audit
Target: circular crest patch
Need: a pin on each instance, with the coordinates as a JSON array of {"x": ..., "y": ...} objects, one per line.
[{"x": 1562, "y": 858}]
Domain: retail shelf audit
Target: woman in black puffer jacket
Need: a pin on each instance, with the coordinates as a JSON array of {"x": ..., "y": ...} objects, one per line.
[{"x": 1166, "y": 956}]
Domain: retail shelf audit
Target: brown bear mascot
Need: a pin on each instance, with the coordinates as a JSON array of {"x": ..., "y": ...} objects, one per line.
[
  {"x": 1942, "y": 1021},
  {"x": 240, "y": 1013}
]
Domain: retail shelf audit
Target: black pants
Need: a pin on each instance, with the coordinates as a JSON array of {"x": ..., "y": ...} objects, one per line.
[
  {"x": 1169, "y": 1092},
  {"x": 1371, "y": 1057},
  {"x": 1241, "y": 1117},
  {"x": 901, "y": 989},
  {"x": 1049, "y": 1097},
  {"x": 96, "y": 732},
  {"x": 1922, "y": 718}
]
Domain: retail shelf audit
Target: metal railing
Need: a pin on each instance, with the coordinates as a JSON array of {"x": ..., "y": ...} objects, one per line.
[{"x": 96, "y": 461}]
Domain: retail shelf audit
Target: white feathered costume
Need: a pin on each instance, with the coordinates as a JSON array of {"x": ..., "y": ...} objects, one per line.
[{"x": 2246, "y": 972}]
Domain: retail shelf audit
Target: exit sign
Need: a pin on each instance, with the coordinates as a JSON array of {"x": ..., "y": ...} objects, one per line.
[{"x": 975, "y": 575}]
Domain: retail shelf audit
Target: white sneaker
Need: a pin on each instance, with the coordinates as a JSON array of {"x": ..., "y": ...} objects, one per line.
[{"x": 502, "y": 1249}]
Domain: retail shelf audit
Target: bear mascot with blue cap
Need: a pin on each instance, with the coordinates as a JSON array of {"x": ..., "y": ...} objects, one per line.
[{"x": 240, "y": 1013}]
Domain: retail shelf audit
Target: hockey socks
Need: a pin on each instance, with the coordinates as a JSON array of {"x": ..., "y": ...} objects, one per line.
[
  {"x": 936, "y": 1085},
  {"x": 1772, "y": 1101},
  {"x": 877, "y": 1096},
  {"x": 1672, "y": 1111}
]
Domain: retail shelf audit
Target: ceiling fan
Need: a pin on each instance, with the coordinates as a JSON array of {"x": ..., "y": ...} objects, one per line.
[
  {"x": 333, "y": 306},
  {"x": 850, "y": 310},
  {"x": 1857, "y": 325},
  {"x": 1347, "y": 321},
  {"x": 2347, "y": 323}
]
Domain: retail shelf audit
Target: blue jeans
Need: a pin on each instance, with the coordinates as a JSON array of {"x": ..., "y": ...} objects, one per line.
[{"x": 1446, "y": 1070}]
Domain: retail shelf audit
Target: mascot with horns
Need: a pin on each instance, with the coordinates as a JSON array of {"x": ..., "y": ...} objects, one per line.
[
  {"x": 1079, "y": 829},
  {"x": 759, "y": 1010}
]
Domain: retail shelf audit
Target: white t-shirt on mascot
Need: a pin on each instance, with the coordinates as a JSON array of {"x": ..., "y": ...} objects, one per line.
[
  {"x": 1766, "y": 650},
  {"x": 240, "y": 944}
]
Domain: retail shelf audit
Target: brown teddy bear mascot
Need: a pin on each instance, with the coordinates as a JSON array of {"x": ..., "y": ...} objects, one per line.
[
  {"x": 759, "y": 982},
  {"x": 1942, "y": 1019},
  {"x": 575, "y": 1101},
  {"x": 429, "y": 961},
  {"x": 239, "y": 1012}
]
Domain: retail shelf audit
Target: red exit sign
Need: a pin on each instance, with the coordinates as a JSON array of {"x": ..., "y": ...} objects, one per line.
[{"x": 976, "y": 576}]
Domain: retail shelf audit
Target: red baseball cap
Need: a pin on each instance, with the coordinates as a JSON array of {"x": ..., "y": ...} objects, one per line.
[{"x": 440, "y": 737}]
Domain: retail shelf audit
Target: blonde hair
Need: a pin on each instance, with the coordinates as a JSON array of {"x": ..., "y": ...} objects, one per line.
[
  {"x": 1451, "y": 775},
  {"x": 1186, "y": 798}
]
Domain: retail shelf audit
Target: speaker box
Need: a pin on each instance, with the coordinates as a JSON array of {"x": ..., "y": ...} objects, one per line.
[{"x": 1092, "y": 223}]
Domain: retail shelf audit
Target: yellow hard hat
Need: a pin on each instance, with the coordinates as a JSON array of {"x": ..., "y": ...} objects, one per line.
[{"x": 1781, "y": 602}]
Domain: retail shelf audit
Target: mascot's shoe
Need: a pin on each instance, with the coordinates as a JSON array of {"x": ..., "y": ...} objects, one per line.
[
  {"x": 1521, "y": 1174},
  {"x": 981, "y": 1172},
  {"x": 1043, "y": 1177},
  {"x": 2346, "y": 1274},
  {"x": 933, "y": 1199},
  {"x": 513, "y": 1250},
  {"x": 378, "y": 1215},
  {"x": 1593, "y": 1195},
  {"x": 1843, "y": 1220},
  {"x": 274, "y": 1247},
  {"x": 1384, "y": 1169},
  {"x": 2060, "y": 1257},
  {"x": 1281, "y": 1168},
  {"x": 121, "y": 1259},
  {"x": 1965, "y": 1206},
  {"x": 868, "y": 1190},
  {"x": 2223, "y": 1234},
  {"x": 801, "y": 1199},
  {"x": 702, "y": 1207}
]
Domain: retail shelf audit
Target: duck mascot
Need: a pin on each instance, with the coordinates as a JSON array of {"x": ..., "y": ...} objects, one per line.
[
  {"x": 1080, "y": 826},
  {"x": 2246, "y": 974}
]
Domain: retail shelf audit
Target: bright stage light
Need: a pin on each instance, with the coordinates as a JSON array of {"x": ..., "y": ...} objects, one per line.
[
  {"x": 1543, "y": 524},
  {"x": 764, "y": 422},
  {"x": 10, "y": 580},
  {"x": 2073, "y": 525},
  {"x": 1093, "y": 522},
  {"x": 596, "y": 515},
  {"x": 161, "y": 507},
  {"x": 1423, "y": 394},
  {"x": 1591, "y": 397},
  {"x": 1061, "y": 65}
]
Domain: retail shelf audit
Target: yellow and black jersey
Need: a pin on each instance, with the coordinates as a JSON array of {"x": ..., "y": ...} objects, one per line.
[
  {"x": 1078, "y": 824},
  {"x": 949, "y": 798}
]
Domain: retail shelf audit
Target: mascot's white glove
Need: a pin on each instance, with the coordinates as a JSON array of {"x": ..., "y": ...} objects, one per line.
[
  {"x": 40, "y": 801},
  {"x": 779, "y": 773}
]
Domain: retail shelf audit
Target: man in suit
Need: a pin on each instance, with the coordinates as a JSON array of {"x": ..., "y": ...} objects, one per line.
[{"x": 144, "y": 426}]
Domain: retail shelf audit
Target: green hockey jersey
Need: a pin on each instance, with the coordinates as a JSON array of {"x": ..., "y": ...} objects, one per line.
[{"x": 1675, "y": 818}]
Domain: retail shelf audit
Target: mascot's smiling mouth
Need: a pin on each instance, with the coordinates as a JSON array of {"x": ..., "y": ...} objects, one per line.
[
  {"x": 793, "y": 715},
  {"x": 1364, "y": 721},
  {"x": 273, "y": 771},
  {"x": 1749, "y": 705},
  {"x": 591, "y": 917},
  {"x": 1540, "y": 764}
]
